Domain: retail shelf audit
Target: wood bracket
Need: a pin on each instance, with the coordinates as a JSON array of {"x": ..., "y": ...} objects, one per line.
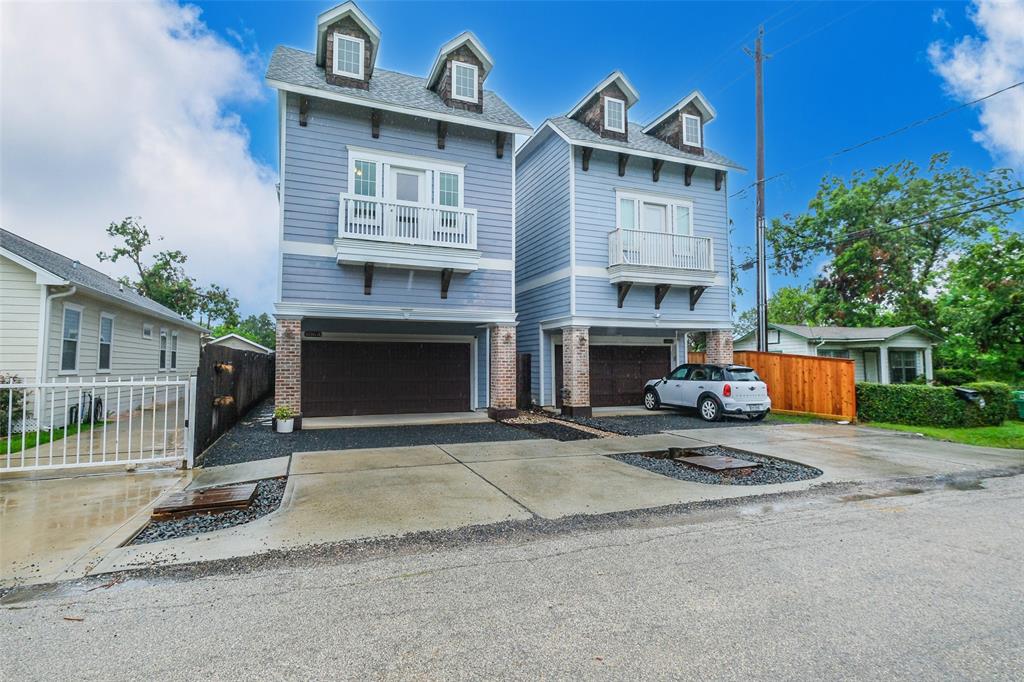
[
  {"x": 695, "y": 294},
  {"x": 624, "y": 288},
  {"x": 660, "y": 291},
  {"x": 623, "y": 160},
  {"x": 499, "y": 144},
  {"x": 446, "y": 280},
  {"x": 587, "y": 153},
  {"x": 656, "y": 165},
  {"x": 303, "y": 111},
  {"x": 367, "y": 278},
  {"x": 442, "y": 133},
  {"x": 719, "y": 177},
  {"x": 375, "y": 123},
  {"x": 688, "y": 174}
]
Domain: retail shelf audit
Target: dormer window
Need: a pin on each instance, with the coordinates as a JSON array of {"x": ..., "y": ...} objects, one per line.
[
  {"x": 464, "y": 82},
  {"x": 348, "y": 56},
  {"x": 691, "y": 130},
  {"x": 614, "y": 115}
]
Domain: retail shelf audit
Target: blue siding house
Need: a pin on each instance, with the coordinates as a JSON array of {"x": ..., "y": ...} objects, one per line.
[
  {"x": 622, "y": 247},
  {"x": 397, "y": 240}
]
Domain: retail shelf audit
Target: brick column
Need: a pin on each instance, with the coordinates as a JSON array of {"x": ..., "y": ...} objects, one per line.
[
  {"x": 576, "y": 371},
  {"x": 719, "y": 351},
  {"x": 502, "y": 372},
  {"x": 288, "y": 365}
]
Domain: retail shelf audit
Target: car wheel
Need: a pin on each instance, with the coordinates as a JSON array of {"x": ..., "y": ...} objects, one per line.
[
  {"x": 709, "y": 410},
  {"x": 651, "y": 401},
  {"x": 758, "y": 417}
]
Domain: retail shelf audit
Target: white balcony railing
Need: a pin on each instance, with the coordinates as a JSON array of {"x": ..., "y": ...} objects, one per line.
[
  {"x": 660, "y": 249},
  {"x": 404, "y": 222}
]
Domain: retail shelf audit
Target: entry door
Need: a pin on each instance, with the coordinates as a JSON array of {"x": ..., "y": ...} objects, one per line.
[
  {"x": 655, "y": 217},
  {"x": 407, "y": 185},
  {"x": 871, "y": 366}
]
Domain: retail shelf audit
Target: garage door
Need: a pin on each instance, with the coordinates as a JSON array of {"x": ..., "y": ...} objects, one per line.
[
  {"x": 348, "y": 378},
  {"x": 618, "y": 373}
]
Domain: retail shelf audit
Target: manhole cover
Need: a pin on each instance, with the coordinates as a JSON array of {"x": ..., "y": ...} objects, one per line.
[{"x": 717, "y": 462}]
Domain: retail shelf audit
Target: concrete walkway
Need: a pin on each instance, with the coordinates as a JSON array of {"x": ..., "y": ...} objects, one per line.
[{"x": 339, "y": 496}]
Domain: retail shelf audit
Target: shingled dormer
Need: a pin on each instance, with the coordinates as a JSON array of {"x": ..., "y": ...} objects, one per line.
[
  {"x": 459, "y": 71},
  {"x": 605, "y": 109},
  {"x": 682, "y": 126},
  {"x": 346, "y": 46}
]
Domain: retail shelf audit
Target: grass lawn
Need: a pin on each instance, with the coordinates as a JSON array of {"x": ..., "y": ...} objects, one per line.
[
  {"x": 777, "y": 418},
  {"x": 1008, "y": 435},
  {"x": 44, "y": 437}
]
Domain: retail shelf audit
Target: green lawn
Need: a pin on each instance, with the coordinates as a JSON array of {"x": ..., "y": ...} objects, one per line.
[
  {"x": 1009, "y": 435},
  {"x": 778, "y": 418},
  {"x": 44, "y": 438}
]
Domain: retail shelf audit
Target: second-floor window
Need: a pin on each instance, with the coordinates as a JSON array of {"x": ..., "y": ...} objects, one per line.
[
  {"x": 365, "y": 178},
  {"x": 614, "y": 115},
  {"x": 652, "y": 213},
  {"x": 691, "y": 130},
  {"x": 348, "y": 56},
  {"x": 464, "y": 81},
  {"x": 448, "y": 189}
]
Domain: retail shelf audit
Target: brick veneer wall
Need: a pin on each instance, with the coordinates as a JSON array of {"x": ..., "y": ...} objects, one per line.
[
  {"x": 576, "y": 370},
  {"x": 288, "y": 379},
  {"x": 719, "y": 347},
  {"x": 502, "y": 372}
]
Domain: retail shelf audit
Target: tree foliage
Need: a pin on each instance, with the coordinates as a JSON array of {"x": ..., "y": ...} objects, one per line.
[
  {"x": 163, "y": 278},
  {"x": 259, "y": 328},
  {"x": 788, "y": 305}
]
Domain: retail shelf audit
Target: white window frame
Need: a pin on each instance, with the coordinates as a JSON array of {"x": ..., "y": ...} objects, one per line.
[
  {"x": 78, "y": 342},
  {"x": 476, "y": 83},
  {"x": 700, "y": 134},
  {"x": 161, "y": 351},
  {"x": 639, "y": 198},
  {"x": 359, "y": 75},
  {"x": 173, "y": 363},
  {"x": 99, "y": 342},
  {"x": 384, "y": 162},
  {"x": 609, "y": 126},
  {"x": 147, "y": 331}
]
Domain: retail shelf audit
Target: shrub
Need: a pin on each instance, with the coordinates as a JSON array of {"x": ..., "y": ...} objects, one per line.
[
  {"x": 954, "y": 377},
  {"x": 284, "y": 412},
  {"x": 932, "y": 405},
  {"x": 10, "y": 402}
]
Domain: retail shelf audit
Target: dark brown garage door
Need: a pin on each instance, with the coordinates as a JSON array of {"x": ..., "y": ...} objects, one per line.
[
  {"x": 348, "y": 378},
  {"x": 618, "y": 373}
]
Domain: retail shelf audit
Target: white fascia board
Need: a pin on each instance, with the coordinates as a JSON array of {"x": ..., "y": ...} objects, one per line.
[
  {"x": 330, "y": 16},
  {"x": 464, "y": 38},
  {"x": 43, "y": 276},
  {"x": 632, "y": 96},
  {"x": 353, "y": 251},
  {"x": 626, "y": 323},
  {"x": 332, "y": 310},
  {"x": 696, "y": 96},
  {"x": 397, "y": 108}
]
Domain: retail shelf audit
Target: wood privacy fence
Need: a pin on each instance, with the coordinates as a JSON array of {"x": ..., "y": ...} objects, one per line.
[{"x": 229, "y": 383}]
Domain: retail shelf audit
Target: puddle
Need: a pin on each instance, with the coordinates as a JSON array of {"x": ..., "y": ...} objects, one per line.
[
  {"x": 964, "y": 485},
  {"x": 897, "y": 492}
]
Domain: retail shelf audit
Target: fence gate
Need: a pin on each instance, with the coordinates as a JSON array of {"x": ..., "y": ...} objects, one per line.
[{"x": 96, "y": 422}]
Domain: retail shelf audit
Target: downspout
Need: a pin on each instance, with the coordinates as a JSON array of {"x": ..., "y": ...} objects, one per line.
[{"x": 44, "y": 332}]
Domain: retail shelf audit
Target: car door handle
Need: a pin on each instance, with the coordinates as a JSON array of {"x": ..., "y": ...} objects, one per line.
[{"x": 700, "y": 387}]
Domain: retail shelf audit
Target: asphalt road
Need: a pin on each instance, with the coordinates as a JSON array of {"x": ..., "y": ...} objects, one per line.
[{"x": 921, "y": 585}]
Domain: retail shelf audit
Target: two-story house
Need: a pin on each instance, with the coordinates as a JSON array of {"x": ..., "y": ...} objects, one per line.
[
  {"x": 396, "y": 289},
  {"x": 622, "y": 247}
]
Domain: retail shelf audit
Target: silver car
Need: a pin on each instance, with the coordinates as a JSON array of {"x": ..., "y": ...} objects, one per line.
[{"x": 713, "y": 390}]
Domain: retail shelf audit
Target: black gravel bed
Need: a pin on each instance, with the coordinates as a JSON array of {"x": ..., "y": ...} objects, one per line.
[
  {"x": 772, "y": 469},
  {"x": 268, "y": 498},
  {"x": 555, "y": 431},
  {"x": 253, "y": 439},
  {"x": 656, "y": 422}
]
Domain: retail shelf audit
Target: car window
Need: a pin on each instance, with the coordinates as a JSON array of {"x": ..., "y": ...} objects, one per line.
[
  {"x": 679, "y": 374},
  {"x": 698, "y": 374},
  {"x": 744, "y": 374},
  {"x": 717, "y": 375}
]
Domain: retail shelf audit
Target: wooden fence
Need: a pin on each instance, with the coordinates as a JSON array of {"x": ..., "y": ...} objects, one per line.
[{"x": 230, "y": 382}]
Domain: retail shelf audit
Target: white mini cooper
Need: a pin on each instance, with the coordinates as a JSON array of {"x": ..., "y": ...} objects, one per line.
[{"x": 713, "y": 390}]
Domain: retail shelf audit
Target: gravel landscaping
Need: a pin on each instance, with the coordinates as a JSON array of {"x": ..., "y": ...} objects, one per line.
[
  {"x": 268, "y": 498},
  {"x": 252, "y": 438},
  {"x": 656, "y": 422},
  {"x": 772, "y": 469},
  {"x": 552, "y": 429}
]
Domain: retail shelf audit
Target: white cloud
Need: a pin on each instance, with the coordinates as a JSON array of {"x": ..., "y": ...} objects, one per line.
[
  {"x": 116, "y": 109},
  {"x": 974, "y": 66},
  {"x": 939, "y": 17}
]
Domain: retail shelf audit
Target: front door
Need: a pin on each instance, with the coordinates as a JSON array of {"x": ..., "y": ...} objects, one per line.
[{"x": 407, "y": 186}]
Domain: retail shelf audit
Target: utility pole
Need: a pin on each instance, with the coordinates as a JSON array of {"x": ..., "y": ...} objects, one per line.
[{"x": 762, "y": 265}]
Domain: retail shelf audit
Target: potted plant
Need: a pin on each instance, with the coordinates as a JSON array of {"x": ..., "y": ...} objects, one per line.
[{"x": 284, "y": 418}]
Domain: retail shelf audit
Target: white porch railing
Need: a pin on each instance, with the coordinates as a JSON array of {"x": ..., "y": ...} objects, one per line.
[
  {"x": 405, "y": 222},
  {"x": 660, "y": 249},
  {"x": 98, "y": 422}
]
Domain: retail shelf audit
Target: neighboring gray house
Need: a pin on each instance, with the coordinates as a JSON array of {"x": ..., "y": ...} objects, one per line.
[
  {"x": 239, "y": 342},
  {"x": 887, "y": 355},
  {"x": 622, "y": 247},
  {"x": 61, "y": 320},
  {"x": 397, "y": 228}
]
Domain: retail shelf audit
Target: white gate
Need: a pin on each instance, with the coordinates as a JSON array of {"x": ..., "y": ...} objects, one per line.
[{"x": 96, "y": 422}]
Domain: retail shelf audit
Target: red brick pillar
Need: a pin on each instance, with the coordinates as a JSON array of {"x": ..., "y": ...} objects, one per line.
[
  {"x": 719, "y": 347},
  {"x": 502, "y": 372},
  {"x": 576, "y": 371},
  {"x": 288, "y": 365}
]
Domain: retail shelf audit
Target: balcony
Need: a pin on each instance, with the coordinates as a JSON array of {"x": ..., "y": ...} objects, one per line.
[
  {"x": 660, "y": 258},
  {"x": 406, "y": 234}
]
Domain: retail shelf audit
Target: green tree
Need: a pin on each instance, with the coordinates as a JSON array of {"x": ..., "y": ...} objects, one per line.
[
  {"x": 788, "y": 305},
  {"x": 163, "y": 278},
  {"x": 259, "y": 328},
  {"x": 888, "y": 237}
]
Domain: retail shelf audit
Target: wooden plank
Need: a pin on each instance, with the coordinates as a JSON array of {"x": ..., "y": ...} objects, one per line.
[
  {"x": 214, "y": 499},
  {"x": 807, "y": 384}
]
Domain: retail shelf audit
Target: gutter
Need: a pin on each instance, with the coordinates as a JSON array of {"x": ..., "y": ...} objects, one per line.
[{"x": 44, "y": 332}]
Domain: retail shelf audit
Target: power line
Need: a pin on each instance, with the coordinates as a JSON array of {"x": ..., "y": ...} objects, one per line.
[{"x": 914, "y": 124}]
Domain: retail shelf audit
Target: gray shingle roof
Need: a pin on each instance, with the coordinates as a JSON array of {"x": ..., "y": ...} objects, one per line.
[
  {"x": 85, "y": 277},
  {"x": 638, "y": 141},
  {"x": 847, "y": 333},
  {"x": 297, "y": 67}
]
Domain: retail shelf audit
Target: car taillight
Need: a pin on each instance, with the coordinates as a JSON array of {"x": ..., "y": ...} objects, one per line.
[{"x": 727, "y": 391}]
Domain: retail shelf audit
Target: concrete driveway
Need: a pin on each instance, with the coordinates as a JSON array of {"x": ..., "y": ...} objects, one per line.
[{"x": 339, "y": 496}]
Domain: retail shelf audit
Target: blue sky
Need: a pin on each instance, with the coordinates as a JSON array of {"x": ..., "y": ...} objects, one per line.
[{"x": 193, "y": 117}]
